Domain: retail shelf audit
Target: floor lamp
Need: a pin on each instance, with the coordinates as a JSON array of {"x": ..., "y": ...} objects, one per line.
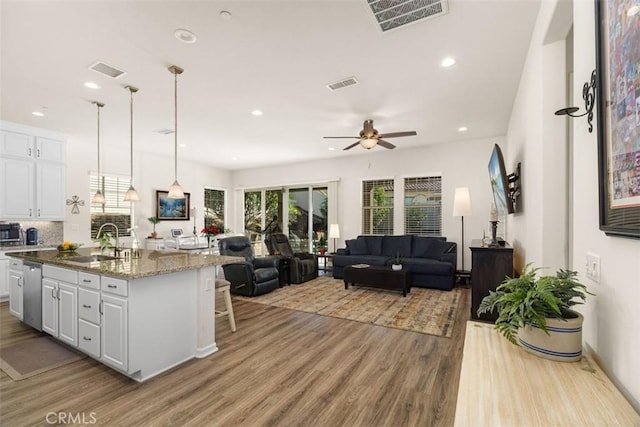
[
  {"x": 334, "y": 233},
  {"x": 462, "y": 207}
]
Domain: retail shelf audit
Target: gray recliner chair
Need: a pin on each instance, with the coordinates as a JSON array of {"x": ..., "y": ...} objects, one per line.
[
  {"x": 303, "y": 265},
  {"x": 255, "y": 276}
]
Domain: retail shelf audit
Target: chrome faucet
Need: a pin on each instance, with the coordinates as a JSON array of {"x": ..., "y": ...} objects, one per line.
[{"x": 117, "y": 249}]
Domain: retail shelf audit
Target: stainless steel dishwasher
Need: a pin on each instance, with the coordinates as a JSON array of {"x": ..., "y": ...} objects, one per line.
[{"x": 32, "y": 294}]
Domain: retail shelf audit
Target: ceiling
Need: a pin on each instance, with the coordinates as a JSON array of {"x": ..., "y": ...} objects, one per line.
[{"x": 275, "y": 56}]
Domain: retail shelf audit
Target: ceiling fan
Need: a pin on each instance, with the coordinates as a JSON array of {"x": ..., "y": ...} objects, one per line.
[{"x": 369, "y": 137}]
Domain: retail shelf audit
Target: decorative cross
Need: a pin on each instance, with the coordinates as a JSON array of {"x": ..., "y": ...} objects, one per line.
[{"x": 75, "y": 201}]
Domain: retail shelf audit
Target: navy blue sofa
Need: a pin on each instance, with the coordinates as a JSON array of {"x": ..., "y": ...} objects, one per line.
[{"x": 431, "y": 261}]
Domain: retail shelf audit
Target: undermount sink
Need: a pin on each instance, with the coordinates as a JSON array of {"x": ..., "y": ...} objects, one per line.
[{"x": 91, "y": 258}]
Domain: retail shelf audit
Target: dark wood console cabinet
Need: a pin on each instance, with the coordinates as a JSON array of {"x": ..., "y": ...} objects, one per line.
[{"x": 489, "y": 267}]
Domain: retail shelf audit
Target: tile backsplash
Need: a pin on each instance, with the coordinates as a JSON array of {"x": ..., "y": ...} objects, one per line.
[{"x": 49, "y": 232}]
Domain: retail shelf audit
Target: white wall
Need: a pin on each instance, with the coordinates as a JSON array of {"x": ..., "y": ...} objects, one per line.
[
  {"x": 611, "y": 324},
  {"x": 462, "y": 164},
  {"x": 151, "y": 172}
]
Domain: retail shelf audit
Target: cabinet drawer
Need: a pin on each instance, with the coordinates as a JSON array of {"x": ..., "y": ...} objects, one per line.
[
  {"x": 15, "y": 264},
  {"x": 114, "y": 286},
  {"x": 88, "y": 305},
  {"x": 89, "y": 280},
  {"x": 89, "y": 338},
  {"x": 62, "y": 274}
]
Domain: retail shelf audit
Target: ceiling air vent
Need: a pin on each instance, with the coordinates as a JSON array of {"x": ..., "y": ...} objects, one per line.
[
  {"x": 107, "y": 70},
  {"x": 349, "y": 81},
  {"x": 392, "y": 14},
  {"x": 165, "y": 131}
]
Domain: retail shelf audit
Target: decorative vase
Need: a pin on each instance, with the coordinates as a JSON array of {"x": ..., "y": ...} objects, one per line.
[
  {"x": 564, "y": 342},
  {"x": 396, "y": 267},
  {"x": 154, "y": 235},
  {"x": 322, "y": 251}
]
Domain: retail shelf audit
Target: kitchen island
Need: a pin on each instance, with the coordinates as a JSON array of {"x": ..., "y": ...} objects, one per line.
[{"x": 140, "y": 316}]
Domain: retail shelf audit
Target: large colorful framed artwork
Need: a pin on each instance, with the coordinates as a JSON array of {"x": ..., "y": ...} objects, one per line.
[{"x": 618, "y": 109}]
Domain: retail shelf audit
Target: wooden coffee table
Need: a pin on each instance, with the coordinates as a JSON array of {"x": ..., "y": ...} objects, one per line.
[{"x": 380, "y": 277}]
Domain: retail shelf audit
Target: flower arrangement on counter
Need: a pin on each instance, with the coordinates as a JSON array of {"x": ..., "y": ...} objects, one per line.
[{"x": 211, "y": 230}]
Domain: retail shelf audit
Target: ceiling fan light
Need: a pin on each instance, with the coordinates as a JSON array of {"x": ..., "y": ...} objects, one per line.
[
  {"x": 131, "y": 195},
  {"x": 176, "y": 192},
  {"x": 368, "y": 143},
  {"x": 98, "y": 198}
]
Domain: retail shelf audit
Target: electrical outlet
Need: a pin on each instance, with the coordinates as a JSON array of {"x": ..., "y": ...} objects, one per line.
[
  {"x": 593, "y": 267},
  {"x": 207, "y": 285}
]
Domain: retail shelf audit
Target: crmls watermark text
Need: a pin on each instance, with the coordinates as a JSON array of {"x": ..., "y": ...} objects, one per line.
[{"x": 71, "y": 418}]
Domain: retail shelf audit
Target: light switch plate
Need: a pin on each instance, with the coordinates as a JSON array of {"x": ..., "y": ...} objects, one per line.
[{"x": 593, "y": 267}]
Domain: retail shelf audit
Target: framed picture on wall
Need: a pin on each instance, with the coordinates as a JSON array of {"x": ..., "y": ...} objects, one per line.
[
  {"x": 618, "y": 109},
  {"x": 172, "y": 209}
]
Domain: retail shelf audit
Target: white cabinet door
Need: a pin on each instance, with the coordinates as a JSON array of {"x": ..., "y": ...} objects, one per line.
[
  {"x": 16, "y": 189},
  {"x": 16, "y": 144},
  {"x": 4, "y": 276},
  {"x": 114, "y": 340},
  {"x": 50, "y": 189},
  {"x": 50, "y": 149},
  {"x": 68, "y": 313},
  {"x": 15, "y": 293},
  {"x": 50, "y": 306}
]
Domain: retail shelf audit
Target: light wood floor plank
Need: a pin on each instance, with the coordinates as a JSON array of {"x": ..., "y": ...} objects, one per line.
[{"x": 281, "y": 368}]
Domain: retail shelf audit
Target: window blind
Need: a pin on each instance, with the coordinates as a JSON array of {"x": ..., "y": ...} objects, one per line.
[
  {"x": 377, "y": 207},
  {"x": 115, "y": 209},
  {"x": 423, "y": 206}
]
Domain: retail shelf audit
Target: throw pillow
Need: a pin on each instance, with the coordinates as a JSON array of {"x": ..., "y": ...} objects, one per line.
[
  {"x": 357, "y": 247},
  {"x": 437, "y": 248},
  {"x": 421, "y": 246}
]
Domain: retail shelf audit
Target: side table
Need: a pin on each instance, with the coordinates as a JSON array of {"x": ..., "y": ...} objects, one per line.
[
  {"x": 284, "y": 271},
  {"x": 324, "y": 264}
]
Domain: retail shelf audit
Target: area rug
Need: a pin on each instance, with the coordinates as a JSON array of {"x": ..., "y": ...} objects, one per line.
[
  {"x": 35, "y": 356},
  {"x": 428, "y": 311}
]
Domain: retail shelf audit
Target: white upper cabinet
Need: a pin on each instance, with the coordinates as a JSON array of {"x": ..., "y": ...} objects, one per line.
[{"x": 33, "y": 173}]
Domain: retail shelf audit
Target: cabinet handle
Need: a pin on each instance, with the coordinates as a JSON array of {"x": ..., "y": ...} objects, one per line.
[
  {"x": 100, "y": 308},
  {"x": 86, "y": 280},
  {"x": 111, "y": 286},
  {"x": 20, "y": 282},
  {"x": 38, "y": 153},
  {"x": 86, "y": 306},
  {"x": 38, "y": 212},
  {"x": 53, "y": 295},
  {"x": 86, "y": 338},
  {"x": 29, "y": 152},
  {"x": 30, "y": 212},
  {"x": 58, "y": 293}
]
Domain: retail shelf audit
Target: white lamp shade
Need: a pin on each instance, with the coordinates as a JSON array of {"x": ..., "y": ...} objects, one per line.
[
  {"x": 175, "y": 191},
  {"x": 368, "y": 143},
  {"x": 131, "y": 195},
  {"x": 98, "y": 198},
  {"x": 334, "y": 231},
  {"x": 462, "y": 202}
]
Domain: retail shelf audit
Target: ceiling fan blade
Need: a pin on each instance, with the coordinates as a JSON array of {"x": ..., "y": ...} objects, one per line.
[
  {"x": 386, "y": 144},
  {"x": 350, "y": 137},
  {"x": 397, "y": 134},
  {"x": 351, "y": 146}
]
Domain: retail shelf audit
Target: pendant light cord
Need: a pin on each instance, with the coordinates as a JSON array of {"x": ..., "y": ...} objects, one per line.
[{"x": 175, "y": 128}]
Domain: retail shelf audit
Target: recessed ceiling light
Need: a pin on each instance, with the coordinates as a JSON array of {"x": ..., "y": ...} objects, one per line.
[
  {"x": 257, "y": 113},
  {"x": 234, "y": 158},
  {"x": 448, "y": 62},
  {"x": 331, "y": 148},
  {"x": 462, "y": 129},
  {"x": 185, "y": 36},
  {"x": 91, "y": 85},
  {"x": 225, "y": 16},
  {"x": 37, "y": 113},
  {"x": 633, "y": 10},
  {"x": 182, "y": 145}
]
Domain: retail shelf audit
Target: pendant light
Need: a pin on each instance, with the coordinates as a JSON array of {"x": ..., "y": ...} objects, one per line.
[
  {"x": 132, "y": 194},
  {"x": 175, "y": 192},
  {"x": 98, "y": 197}
]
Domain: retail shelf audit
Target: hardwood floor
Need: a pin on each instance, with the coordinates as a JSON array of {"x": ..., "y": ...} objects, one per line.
[{"x": 281, "y": 368}]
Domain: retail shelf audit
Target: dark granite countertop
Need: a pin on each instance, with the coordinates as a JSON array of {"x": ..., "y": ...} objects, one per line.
[{"x": 151, "y": 263}]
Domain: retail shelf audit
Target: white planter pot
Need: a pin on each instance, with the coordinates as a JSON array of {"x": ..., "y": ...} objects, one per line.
[
  {"x": 564, "y": 342},
  {"x": 396, "y": 267}
]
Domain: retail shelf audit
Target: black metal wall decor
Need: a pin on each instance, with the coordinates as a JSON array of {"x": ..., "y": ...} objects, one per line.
[
  {"x": 75, "y": 202},
  {"x": 589, "y": 96}
]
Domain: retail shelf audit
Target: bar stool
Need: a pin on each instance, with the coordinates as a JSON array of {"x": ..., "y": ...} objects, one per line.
[{"x": 224, "y": 287}]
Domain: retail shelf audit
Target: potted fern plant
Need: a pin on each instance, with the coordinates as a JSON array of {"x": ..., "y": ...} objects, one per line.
[{"x": 535, "y": 313}]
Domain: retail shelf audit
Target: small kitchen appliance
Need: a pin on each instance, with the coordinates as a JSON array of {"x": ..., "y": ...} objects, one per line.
[
  {"x": 9, "y": 233},
  {"x": 32, "y": 236}
]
